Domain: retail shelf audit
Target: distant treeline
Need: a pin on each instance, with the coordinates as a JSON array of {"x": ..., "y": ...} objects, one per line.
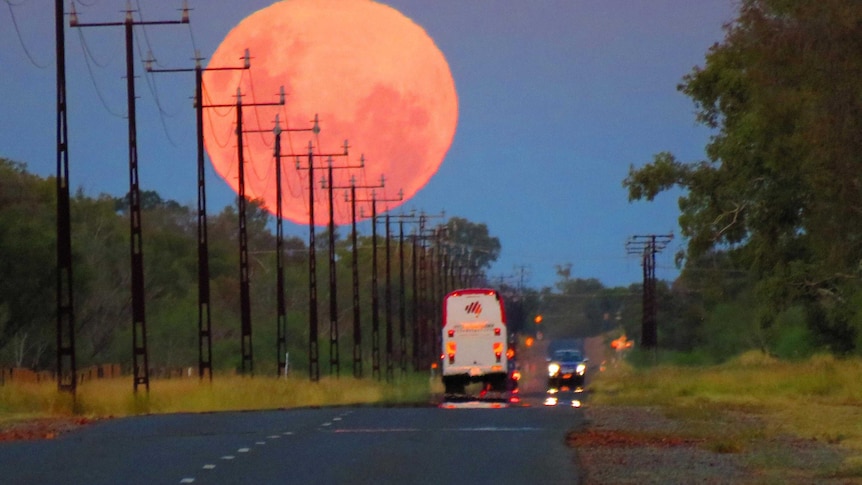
[{"x": 101, "y": 280}]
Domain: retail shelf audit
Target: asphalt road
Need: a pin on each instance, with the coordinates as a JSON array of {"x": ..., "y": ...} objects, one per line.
[{"x": 321, "y": 446}]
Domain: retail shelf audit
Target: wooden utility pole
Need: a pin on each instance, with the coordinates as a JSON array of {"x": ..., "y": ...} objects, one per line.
[
  {"x": 140, "y": 365},
  {"x": 647, "y": 246}
]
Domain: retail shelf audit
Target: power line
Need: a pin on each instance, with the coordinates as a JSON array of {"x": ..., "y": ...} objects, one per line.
[
  {"x": 20, "y": 37},
  {"x": 87, "y": 57}
]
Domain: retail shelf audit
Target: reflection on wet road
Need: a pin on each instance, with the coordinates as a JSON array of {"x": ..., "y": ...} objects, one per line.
[{"x": 565, "y": 397}]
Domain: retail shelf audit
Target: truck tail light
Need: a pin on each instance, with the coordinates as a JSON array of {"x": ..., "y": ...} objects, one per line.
[
  {"x": 450, "y": 351},
  {"x": 498, "y": 350},
  {"x": 497, "y": 331},
  {"x": 451, "y": 333}
]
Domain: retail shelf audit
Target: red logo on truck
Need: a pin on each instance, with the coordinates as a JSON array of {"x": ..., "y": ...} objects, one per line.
[{"x": 474, "y": 308}]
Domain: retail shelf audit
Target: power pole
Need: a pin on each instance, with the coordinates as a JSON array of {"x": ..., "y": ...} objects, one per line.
[
  {"x": 140, "y": 354},
  {"x": 327, "y": 183},
  {"x": 434, "y": 291},
  {"x": 402, "y": 298},
  {"x": 423, "y": 293},
  {"x": 242, "y": 202},
  {"x": 375, "y": 290},
  {"x": 402, "y": 308},
  {"x": 281, "y": 317},
  {"x": 281, "y": 305},
  {"x": 357, "y": 327},
  {"x": 66, "y": 369},
  {"x": 438, "y": 282},
  {"x": 204, "y": 320},
  {"x": 647, "y": 246},
  {"x": 420, "y": 305},
  {"x": 313, "y": 349},
  {"x": 390, "y": 361}
]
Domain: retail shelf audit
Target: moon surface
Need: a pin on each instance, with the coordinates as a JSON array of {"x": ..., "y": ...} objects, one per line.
[{"x": 372, "y": 76}]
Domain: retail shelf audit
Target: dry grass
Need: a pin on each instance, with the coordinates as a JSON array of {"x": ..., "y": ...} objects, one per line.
[
  {"x": 752, "y": 398},
  {"x": 115, "y": 397}
]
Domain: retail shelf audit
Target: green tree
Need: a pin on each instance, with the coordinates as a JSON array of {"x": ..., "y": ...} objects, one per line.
[
  {"x": 27, "y": 253},
  {"x": 584, "y": 307},
  {"x": 101, "y": 277},
  {"x": 471, "y": 244},
  {"x": 780, "y": 189}
]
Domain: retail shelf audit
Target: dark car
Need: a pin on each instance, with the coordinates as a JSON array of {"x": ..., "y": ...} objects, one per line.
[{"x": 567, "y": 368}]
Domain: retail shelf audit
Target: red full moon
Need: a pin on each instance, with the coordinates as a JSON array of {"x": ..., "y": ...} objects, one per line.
[{"x": 372, "y": 76}]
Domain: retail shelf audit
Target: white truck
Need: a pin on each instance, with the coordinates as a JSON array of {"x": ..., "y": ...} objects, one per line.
[{"x": 474, "y": 341}]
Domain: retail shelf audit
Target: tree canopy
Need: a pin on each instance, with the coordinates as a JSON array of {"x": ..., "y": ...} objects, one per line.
[{"x": 780, "y": 190}]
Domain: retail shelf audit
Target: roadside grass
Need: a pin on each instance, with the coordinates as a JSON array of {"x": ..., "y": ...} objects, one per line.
[
  {"x": 752, "y": 399},
  {"x": 115, "y": 397}
]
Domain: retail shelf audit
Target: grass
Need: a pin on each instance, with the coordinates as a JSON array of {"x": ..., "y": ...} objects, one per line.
[
  {"x": 114, "y": 397},
  {"x": 819, "y": 399}
]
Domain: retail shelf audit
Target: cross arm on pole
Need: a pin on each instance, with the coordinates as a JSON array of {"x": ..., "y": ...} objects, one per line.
[{"x": 75, "y": 22}]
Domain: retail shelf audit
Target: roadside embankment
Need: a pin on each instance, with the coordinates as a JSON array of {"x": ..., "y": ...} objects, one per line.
[{"x": 752, "y": 420}]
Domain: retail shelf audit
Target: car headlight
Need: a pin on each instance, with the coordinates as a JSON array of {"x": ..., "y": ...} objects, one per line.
[
  {"x": 581, "y": 369},
  {"x": 553, "y": 369}
]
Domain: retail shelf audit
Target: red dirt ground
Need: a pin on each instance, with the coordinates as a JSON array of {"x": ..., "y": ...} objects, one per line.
[{"x": 41, "y": 429}]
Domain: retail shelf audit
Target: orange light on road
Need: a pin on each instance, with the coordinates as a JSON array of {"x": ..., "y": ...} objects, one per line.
[{"x": 528, "y": 342}]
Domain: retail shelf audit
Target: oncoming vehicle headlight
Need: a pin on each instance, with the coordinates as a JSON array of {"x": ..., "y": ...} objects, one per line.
[
  {"x": 581, "y": 369},
  {"x": 553, "y": 369}
]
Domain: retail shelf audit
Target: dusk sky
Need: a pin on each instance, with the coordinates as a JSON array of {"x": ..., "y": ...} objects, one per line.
[{"x": 557, "y": 98}]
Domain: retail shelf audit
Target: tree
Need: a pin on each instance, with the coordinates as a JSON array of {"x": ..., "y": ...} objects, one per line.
[
  {"x": 102, "y": 275},
  {"x": 471, "y": 244},
  {"x": 780, "y": 191},
  {"x": 26, "y": 250}
]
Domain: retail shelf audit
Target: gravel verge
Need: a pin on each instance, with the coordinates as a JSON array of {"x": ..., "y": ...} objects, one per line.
[
  {"x": 642, "y": 445},
  {"x": 40, "y": 428}
]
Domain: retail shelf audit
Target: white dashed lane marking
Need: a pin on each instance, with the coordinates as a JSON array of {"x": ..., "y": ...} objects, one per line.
[
  {"x": 414, "y": 430},
  {"x": 210, "y": 466}
]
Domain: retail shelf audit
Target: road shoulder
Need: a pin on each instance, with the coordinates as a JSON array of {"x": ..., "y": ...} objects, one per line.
[{"x": 640, "y": 444}]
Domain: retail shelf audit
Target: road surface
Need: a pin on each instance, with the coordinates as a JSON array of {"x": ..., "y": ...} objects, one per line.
[{"x": 330, "y": 445}]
